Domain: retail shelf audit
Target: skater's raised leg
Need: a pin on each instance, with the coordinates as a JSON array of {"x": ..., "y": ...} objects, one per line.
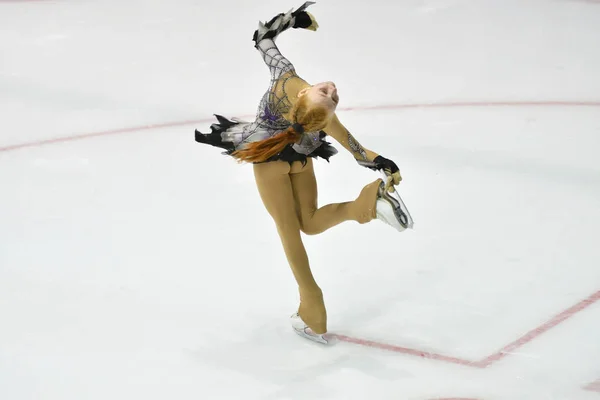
[{"x": 314, "y": 220}]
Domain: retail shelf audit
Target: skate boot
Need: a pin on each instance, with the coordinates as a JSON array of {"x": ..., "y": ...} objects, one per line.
[
  {"x": 391, "y": 210},
  {"x": 303, "y": 330}
]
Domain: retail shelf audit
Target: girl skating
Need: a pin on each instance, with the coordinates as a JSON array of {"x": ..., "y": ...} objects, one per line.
[{"x": 293, "y": 120}]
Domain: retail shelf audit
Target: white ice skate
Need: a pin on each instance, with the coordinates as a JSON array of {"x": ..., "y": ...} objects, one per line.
[
  {"x": 391, "y": 209},
  {"x": 303, "y": 330}
]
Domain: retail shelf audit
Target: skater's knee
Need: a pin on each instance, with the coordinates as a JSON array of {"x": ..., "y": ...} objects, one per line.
[
  {"x": 310, "y": 228},
  {"x": 309, "y": 225}
]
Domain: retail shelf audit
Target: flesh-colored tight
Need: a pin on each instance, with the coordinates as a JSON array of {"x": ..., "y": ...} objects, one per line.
[{"x": 289, "y": 194}]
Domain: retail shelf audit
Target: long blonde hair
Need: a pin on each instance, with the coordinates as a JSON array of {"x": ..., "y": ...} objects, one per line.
[{"x": 310, "y": 116}]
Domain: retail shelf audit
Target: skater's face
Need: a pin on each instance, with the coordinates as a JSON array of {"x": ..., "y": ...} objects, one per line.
[{"x": 322, "y": 94}]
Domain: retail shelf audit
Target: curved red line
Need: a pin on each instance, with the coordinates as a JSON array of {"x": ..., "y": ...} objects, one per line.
[
  {"x": 360, "y": 108},
  {"x": 102, "y": 133},
  {"x": 594, "y": 386}
]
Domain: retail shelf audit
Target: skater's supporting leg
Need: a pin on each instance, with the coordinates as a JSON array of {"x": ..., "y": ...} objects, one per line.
[
  {"x": 275, "y": 188},
  {"x": 315, "y": 220}
]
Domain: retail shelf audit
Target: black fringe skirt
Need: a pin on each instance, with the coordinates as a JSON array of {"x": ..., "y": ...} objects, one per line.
[{"x": 214, "y": 138}]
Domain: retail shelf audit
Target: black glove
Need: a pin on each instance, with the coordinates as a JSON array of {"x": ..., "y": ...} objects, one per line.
[
  {"x": 299, "y": 18},
  {"x": 305, "y": 20},
  {"x": 389, "y": 167}
]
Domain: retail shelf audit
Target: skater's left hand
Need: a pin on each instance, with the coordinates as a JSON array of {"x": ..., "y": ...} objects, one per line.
[
  {"x": 391, "y": 171},
  {"x": 305, "y": 20}
]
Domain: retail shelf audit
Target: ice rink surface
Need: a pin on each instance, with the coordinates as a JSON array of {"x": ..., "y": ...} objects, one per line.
[{"x": 138, "y": 264}]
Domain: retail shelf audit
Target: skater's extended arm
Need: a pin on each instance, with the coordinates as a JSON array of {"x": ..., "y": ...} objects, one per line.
[
  {"x": 266, "y": 34},
  {"x": 338, "y": 131},
  {"x": 363, "y": 156}
]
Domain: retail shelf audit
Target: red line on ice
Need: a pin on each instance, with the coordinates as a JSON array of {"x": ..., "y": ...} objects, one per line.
[
  {"x": 489, "y": 360},
  {"x": 529, "y": 336},
  {"x": 457, "y": 104},
  {"x": 362, "y": 108},
  {"x": 72, "y": 138},
  {"x": 454, "y": 398},
  {"x": 406, "y": 350},
  {"x": 594, "y": 386}
]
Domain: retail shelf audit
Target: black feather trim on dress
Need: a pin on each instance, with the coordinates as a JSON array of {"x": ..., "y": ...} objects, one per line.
[
  {"x": 214, "y": 137},
  {"x": 324, "y": 151}
]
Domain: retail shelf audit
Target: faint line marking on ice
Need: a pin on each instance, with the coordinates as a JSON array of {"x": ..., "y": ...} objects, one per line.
[
  {"x": 489, "y": 360},
  {"x": 458, "y": 104},
  {"x": 406, "y": 350},
  {"x": 454, "y": 398},
  {"x": 587, "y": 1},
  {"x": 132, "y": 129},
  {"x": 529, "y": 336},
  {"x": 360, "y": 108},
  {"x": 594, "y": 386}
]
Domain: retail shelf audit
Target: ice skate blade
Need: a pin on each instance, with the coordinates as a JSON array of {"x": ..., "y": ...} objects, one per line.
[
  {"x": 307, "y": 334},
  {"x": 396, "y": 212},
  {"x": 386, "y": 213},
  {"x": 300, "y": 327},
  {"x": 391, "y": 210}
]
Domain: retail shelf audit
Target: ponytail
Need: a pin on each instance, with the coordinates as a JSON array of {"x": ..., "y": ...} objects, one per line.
[
  {"x": 305, "y": 119},
  {"x": 263, "y": 150}
]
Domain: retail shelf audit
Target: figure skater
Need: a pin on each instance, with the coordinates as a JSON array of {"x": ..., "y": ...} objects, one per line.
[{"x": 289, "y": 131}]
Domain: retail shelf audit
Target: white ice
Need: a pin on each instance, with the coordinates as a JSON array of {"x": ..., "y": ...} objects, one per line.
[{"x": 142, "y": 265}]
